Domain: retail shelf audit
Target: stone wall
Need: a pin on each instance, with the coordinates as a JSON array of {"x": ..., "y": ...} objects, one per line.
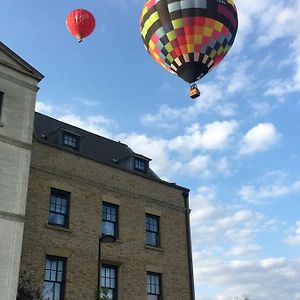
[{"x": 18, "y": 83}]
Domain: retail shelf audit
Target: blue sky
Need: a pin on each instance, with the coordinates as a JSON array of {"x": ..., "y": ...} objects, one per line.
[{"x": 236, "y": 147}]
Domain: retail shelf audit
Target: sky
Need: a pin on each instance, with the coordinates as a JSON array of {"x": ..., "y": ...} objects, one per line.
[{"x": 236, "y": 147}]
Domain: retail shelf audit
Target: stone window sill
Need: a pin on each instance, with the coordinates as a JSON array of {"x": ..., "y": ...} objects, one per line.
[
  {"x": 154, "y": 248},
  {"x": 117, "y": 241},
  {"x": 58, "y": 228}
]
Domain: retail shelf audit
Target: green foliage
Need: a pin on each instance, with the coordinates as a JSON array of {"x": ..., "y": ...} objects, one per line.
[
  {"x": 103, "y": 294},
  {"x": 26, "y": 291}
]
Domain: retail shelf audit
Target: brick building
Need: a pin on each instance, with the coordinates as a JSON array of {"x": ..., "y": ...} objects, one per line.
[
  {"x": 82, "y": 190},
  {"x": 82, "y": 186}
]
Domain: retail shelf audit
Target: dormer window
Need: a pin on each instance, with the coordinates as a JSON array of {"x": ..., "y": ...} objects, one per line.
[
  {"x": 70, "y": 140},
  {"x": 140, "y": 164}
]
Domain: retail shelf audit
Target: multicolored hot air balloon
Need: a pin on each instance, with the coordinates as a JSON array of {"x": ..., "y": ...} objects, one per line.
[
  {"x": 189, "y": 37},
  {"x": 80, "y": 23}
]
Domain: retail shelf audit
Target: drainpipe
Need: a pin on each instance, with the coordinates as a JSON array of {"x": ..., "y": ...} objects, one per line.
[{"x": 189, "y": 244}]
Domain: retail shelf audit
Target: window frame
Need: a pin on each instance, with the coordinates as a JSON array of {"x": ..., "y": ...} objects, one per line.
[
  {"x": 72, "y": 135},
  {"x": 116, "y": 288},
  {"x": 140, "y": 164},
  {"x": 116, "y": 223},
  {"x": 67, "y": 196},
  {"x": 159, "y": 275},
  {"x": 63, "y": 281},
  {"x": 157, "y": 233}
]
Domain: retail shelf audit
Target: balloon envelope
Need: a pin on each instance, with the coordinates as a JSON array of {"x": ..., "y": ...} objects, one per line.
[
  {"x": 80, "y": 23},
  {"x": 188, "y": 37}
]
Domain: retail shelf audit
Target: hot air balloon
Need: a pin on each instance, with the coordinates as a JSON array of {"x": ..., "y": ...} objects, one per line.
[
  {"x": 189, "y": 37},
  {"x": 80, "y": 23}
]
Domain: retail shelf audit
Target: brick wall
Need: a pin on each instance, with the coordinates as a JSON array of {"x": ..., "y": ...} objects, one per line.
[{"x": 90, "y": 183}]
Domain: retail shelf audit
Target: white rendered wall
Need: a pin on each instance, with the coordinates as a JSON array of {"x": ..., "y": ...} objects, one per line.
[{"x": 16, "y": 129}]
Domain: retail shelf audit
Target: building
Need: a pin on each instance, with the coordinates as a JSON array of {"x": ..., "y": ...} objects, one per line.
[
  {"x": 84, "y": 189},
  {"x": 18, "y": 88}
]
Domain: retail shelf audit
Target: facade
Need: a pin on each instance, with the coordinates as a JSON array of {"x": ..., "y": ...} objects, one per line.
[
  {"x": 18, "y": 88},
  {"x": 83, "y": 190},
  {"x": 83, "y": 186}
]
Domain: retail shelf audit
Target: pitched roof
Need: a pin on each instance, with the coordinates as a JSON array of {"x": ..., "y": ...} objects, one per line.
[
  {"x": 92, "y": 146},
  {"x": 19, "y": 63}
]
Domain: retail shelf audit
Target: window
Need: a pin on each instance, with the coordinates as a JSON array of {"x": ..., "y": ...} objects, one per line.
[
  {"x": 54, "y": 278},
  {"x": 109, "y": 219},
  {"x": 153, "y": 286},
  {"x": 152, "y": 230},
  {"x": 109, "y": 281},
  {"x": 140, "y": 164},
  {"x": 1, "y": 102},
  {"x": 59, "y": 208},
  {"x": 70, "y": 140}
]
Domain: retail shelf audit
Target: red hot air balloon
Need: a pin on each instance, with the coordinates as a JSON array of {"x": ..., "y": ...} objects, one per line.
[{"x": 80, "y": 23}]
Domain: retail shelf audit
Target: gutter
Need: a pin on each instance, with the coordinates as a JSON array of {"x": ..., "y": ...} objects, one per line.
[{"x": 185, "y": 195}]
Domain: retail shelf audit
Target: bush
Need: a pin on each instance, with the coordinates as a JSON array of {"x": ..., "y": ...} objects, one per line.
[{"x": 26, "y": 291}]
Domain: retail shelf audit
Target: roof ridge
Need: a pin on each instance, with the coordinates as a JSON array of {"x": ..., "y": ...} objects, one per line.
[{"x": 89, "y": 132}]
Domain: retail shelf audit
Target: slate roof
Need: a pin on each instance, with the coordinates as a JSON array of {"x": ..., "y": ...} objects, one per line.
[{"x": 92, "y": 146}]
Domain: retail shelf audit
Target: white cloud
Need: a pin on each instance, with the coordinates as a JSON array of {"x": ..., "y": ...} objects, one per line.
[
  {"x": 225, "y": 242},
  {"x": 85, "y": 101},
  {"x": 216, "y": 134},
  {"x": 90, "y": 103},
  {"x": 235, "y": 75},
  {"x": 248, "y": 11},
  {"x": 294, "y": 238},
  {"x": 96, "y": 124},
  {"x": 228, "y": 109},
  {"x": 280, "y": 88},
  {"x": 244, "y": 249},
  {"x": 274, "y": 22},
  {"x": 259, "y": 138},
  {"x": 211, "y": 100},
  {"x": 179, "y": 154},
  {"x": 251, "y": 194},
  {"x": 199, "y": 163},
  {"x": 277, "y": 21},
  {"x": 44, "y": 108},
  {"x": 269, "y": 278},
  {"x": 202, "y": 204},
  {"x": 261, "y": 108},
  {"x": 157, "y": 150},
  {"x": 163, "y": 117},
  {"x": 213, "y": 136},
  {"x": 184, "y": 152},
  {"x": 227, "y": 228},
  {"x": 238, "y": 217}
]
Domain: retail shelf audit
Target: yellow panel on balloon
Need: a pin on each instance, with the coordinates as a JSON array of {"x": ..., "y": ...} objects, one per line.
[
  {"x": 208, "y": 31},
  {"x": 171, "y": 35},
  {"x": 191, "y": 48},
  {"x": 198, "y": 39},
  {"x": 218, "y": 26},
  {"x": 178, "y": 23},
  {"x": 151, "y": 45},
  {"x": 169, "y": 47}
]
